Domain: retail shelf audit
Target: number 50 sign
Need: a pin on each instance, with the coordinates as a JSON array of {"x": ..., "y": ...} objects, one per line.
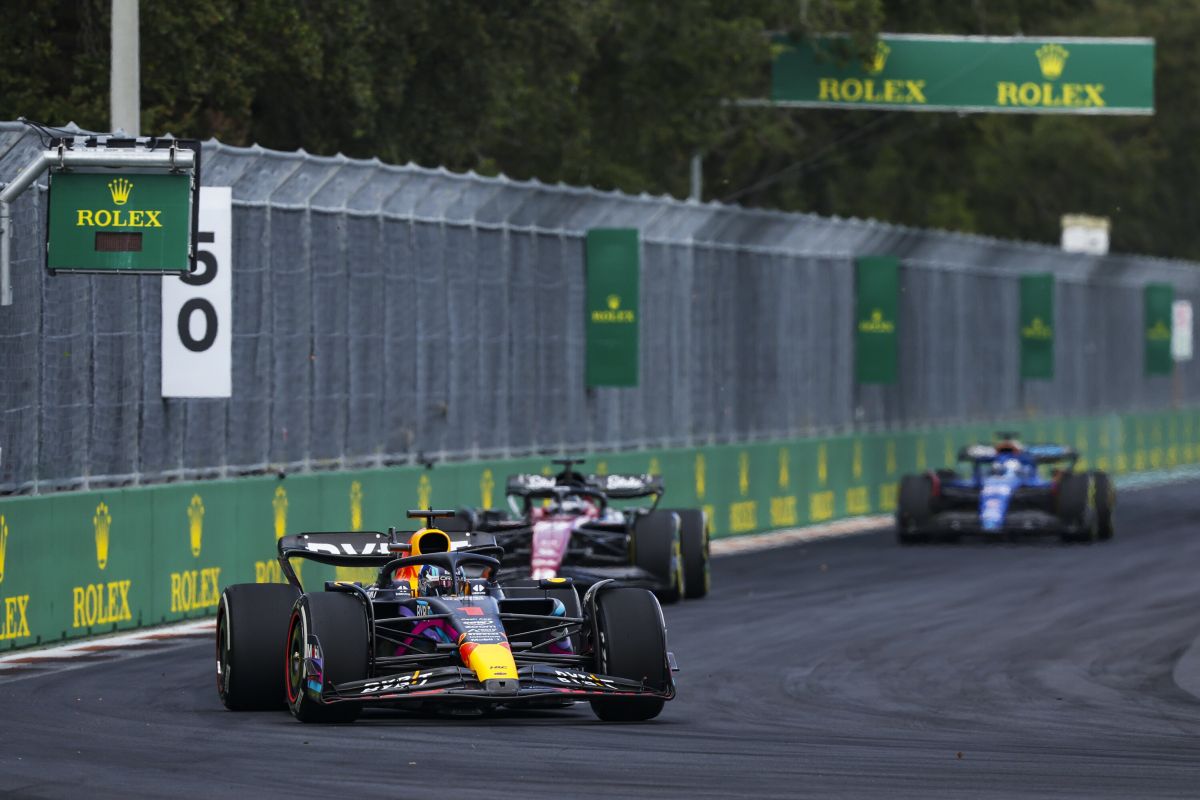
[{"x": 197, "y": 308}]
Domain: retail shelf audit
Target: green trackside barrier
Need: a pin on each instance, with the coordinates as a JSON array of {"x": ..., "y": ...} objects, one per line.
[{"x": 81, "y": 563}]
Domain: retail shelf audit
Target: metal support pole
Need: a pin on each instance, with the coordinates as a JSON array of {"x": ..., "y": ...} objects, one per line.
[
  {"x": 125, "y": 87},
  {"x": 697, "y": 178},
  {"x": 5, "y": 257}
]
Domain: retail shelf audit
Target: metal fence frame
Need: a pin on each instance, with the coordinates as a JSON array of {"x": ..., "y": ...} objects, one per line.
[{"x": 393, "y": 314}]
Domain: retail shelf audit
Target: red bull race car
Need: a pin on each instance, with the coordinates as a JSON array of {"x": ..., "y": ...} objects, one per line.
[
  {"x": 1010, "y": 490},
  {"x": 436, "y": 631},
  {"x": 590, "y": 528}
]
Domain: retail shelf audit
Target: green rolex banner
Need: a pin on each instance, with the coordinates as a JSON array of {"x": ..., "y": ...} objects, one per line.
[
  {"x": 995, "y": 74},
  {"x": 613, "y": 275},
  {"x": 878, "y": 297},
  {"x": 1037, "y": 326},
  {"x": 1157, "y": 327}
]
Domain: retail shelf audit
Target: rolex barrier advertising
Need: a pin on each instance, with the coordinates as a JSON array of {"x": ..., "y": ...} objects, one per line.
[{"x": 83, "y": 563}]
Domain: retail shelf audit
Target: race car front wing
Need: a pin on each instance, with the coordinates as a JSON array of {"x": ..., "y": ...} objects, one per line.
[{"x": 534, "y": 682}]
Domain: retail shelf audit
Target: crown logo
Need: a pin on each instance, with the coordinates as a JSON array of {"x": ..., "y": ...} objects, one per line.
[
  {"x": 120, "y": 189},
  {"x": 822, "y": 464},
  {"x": 744, "y": 473},
  {"x": 1037, "y": 330},
  {"x": 614, "y": 302},
  {"x": 279, "y": 503},
  {"x": 424, "y": 492},
  {"x": 102, "y": 522},
  {"x": 195, "y": 514},
  {"x": 3, "y": 544},
  {"x": 785, "y": 475},
  {"x": 356, "y": 497},
  {"x": 487, "y": 482},
  {"x": 655, "y": 467},
  {"x": 856, "y": 465},
  {"x": 879, "y": 59},
  {"x": 1052, "y": 58},
  {"x": 700, "y": 475}
]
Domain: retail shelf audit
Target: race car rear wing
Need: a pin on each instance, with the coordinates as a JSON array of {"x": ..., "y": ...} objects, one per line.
[
  {"x": 1036, "y": 454},
  {"x": 626, "y": 486},
  {"x": 525, "y": 483},
  {"x": 369, "y": 548}
]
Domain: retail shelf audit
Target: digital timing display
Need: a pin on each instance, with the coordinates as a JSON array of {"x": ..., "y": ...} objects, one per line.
[{"x": 115, "y": 242}]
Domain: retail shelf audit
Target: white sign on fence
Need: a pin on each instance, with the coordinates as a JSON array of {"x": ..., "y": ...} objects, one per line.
[
  {"x": 197, "y": 309},
  {"x": 1181, "y": 330}
]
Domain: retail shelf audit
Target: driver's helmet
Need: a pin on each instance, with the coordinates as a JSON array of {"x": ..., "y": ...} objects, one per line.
[
  {"x": 1006, "y": 466},
  {"x": 434, "y": 581},
  {"x": 572, "y": 505}
]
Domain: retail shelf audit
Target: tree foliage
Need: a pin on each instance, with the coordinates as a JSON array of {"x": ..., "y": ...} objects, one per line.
[{"x": 621, "y": 94}]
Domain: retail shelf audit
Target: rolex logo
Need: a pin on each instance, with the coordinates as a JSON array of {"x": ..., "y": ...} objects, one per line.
[
  {"x": 424, "y": 492},
  {"x": 700, "y": 476},
  {"x": 3, "y": 544},
  {"x": 195, "y": 514},
  {"x": 785, "y": 477},
  {"x": 744, "y": 473},
  {"x": 1052, "y": 58},
  {"x": 614, "y": 302},
  {"x": 487, "y": 483},
  {"x": 356, "y": 498},
  {"x": 280, "y": 503},
  {"x": 880, "y": 58},
  {"x": 102, "y": 522},
  {"x": 120, "y": 189},
  {"x": 1037, "y": 330}
]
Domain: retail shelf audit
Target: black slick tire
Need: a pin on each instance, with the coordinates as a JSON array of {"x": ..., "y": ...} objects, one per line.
[
  {"x": 656, "y": 549},
  {"x": 339, "y": 623},
  {"x": 914, "y": 509},
  {"x": 632, "y": 644},
  {"x": 1106, "y": 503},
  {"x": 1076, "y": 508},
  {"x": 251, "y": 620},
  {"x": 693, "y": 546}
]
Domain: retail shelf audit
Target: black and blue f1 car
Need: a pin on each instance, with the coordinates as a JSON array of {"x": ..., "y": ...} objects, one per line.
[{"x": 1011, "y": 489}]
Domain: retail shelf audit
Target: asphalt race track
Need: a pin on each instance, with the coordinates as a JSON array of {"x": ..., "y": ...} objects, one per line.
[{"x": 845, "y": 668}]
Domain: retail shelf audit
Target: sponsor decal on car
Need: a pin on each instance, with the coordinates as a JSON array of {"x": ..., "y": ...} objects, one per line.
[
  {"x": 396, "y": 683},
  {"x": 586, "y": 680}
]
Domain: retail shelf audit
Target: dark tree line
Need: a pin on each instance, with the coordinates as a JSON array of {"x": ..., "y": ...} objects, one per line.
[{"x": 621, "y": 93}]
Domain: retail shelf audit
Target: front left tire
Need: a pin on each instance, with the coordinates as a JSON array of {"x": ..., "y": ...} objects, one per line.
[{"x": 250, "y": 622}]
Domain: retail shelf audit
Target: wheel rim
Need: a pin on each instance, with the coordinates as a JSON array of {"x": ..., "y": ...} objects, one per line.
[
  {"x": 222, "y": 657},
  {"x": 295, "y": 660}
]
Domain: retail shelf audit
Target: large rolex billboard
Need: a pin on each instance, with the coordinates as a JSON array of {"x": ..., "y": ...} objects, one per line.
[{"x": 918, "y": 72}]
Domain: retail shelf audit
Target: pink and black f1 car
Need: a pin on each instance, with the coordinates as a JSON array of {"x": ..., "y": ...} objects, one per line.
[
  {"x": 570, "y": 525},
  {"x": 434, "y": 631}
]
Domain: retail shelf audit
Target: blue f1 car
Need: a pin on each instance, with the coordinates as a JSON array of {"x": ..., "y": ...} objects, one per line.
[{"x": 1011, "y": 489}]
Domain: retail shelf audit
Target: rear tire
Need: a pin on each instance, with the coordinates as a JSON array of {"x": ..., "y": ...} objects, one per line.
[
  {"x": 632, "y": 645},
  {"x": 693, "y": 544},
  {"x": 1077, "y": 508},
  {"x": 1106, "y": 503},
  {"x": 340, "y": 624},
  {"x": 656, "y": 549},
  {"x": 914, "y": 509},
  {"x": 251, "y": 620}
]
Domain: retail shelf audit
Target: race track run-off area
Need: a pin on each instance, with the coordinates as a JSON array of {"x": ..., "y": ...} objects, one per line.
[{"x": 844, "y": 667}]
